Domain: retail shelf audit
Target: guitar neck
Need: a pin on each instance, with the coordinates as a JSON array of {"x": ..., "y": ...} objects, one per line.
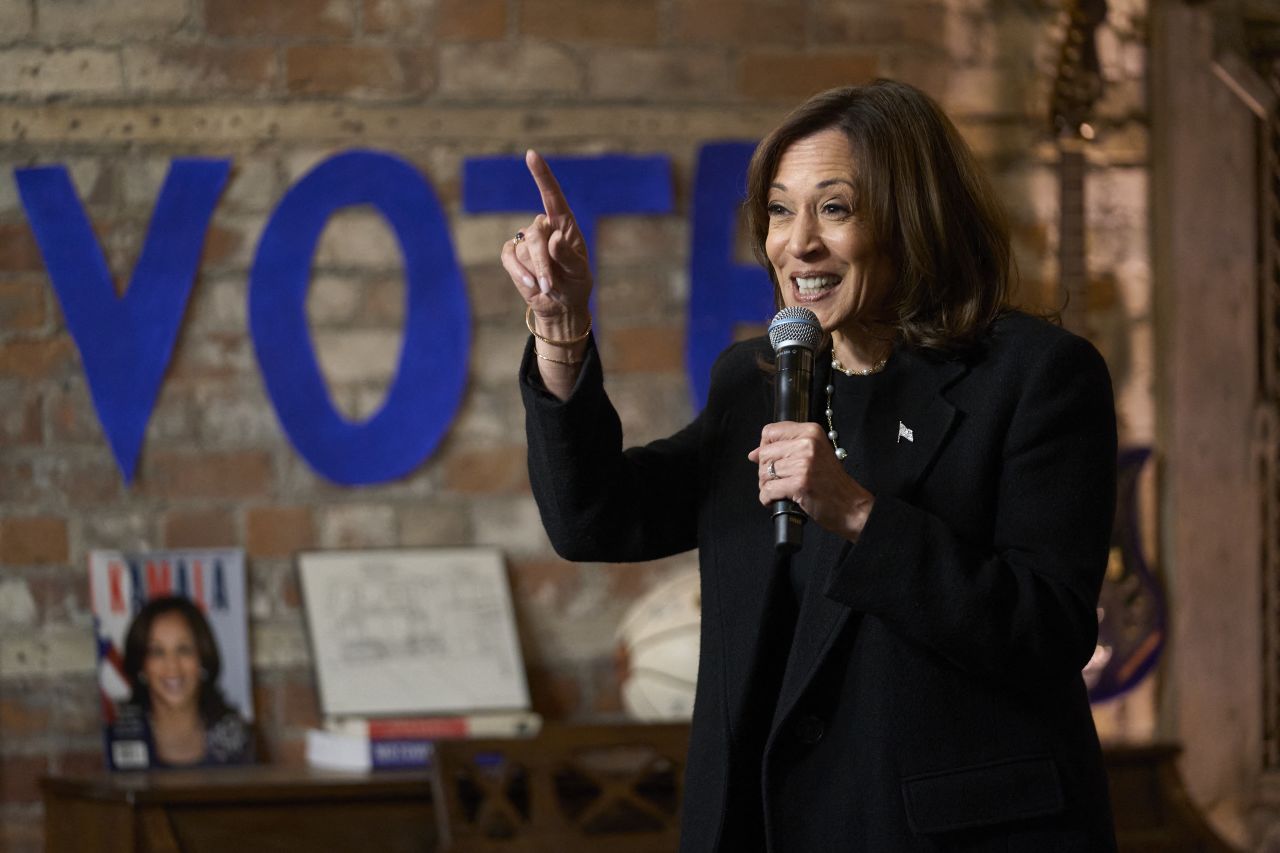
[{"x": 1073, "y": 276}]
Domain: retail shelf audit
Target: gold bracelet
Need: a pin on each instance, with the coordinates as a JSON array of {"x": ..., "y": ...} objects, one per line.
[
  {"x": 528, "y": 321},
  {"x": 554, "y": 360}
]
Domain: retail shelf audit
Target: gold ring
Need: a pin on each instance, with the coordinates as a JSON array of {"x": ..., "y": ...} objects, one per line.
[{"x": 519, "y": 238}]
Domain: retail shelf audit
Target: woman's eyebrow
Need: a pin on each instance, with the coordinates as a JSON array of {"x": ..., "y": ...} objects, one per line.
[{"x": 822, "y": 185}]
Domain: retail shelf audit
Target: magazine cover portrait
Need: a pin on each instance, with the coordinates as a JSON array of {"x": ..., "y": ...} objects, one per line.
[{"x": 173, "y": 658}]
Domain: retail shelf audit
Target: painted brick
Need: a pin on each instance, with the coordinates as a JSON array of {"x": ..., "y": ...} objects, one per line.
[
  {"x": 109, "y": 20},
  {"x": 512, "y": 524},
  {"x": 617, "y": 21},
  {"x": 279, "y": 644},
  {"x": 200, "y": 528},
  {"x": 488, "y": 471},
  {"x": 51, "y": 652},
  {"x": 245, "y": 416},
  {"x": 299, "y": 702},
  {"x": 650, "y": 406},
  {"x": 34, "y": 540},
  {"x": 632, "y": 239},
  {"x": 555, "y": 692},
  {"x": 17, "y": 604},
  {"x": 549, "y": 583},
  {"x": 18, "y": 249},
  {"x": 471, "y": 20},
  {"x": 278, "y": 531},
  {"x": 983, "y": 92},
  {"x": 875, "y": 24},
  {"x": 125, "y": 529},
  {"x": 508, "y": 72},
  {"x": 19, "y": 781},
  {"x": 429, "y": 524},
  {"x": 739, "y": 22},
  {"x": 182, "y": 474},
  {"x": 255, "y": 184},
  {"x": 646, "y": 349},
  {"x": 659, "y": 75},
  {"x": 22, "y": 304},
  {"x": 28, "y": 72},
  {"x": 356, "y": 238},
  {"x": 92, "y": 480},
  {"x": 783, "y": 75},
  {"x": 358, "y": 355},
  {"x": 16, "y": 22},
  {"x": 479, "y": 239},
  {"x": 606, "y": 687},
  {"x": 219, "y": 304},
  {"x": 334, "y": 299},
  {"x": 384, "y": 301},
  {"x": 356, "y": 526},
  {"x": 22, "y": 831},
  {"x": 199, "y": 70},
  {"x": 283, "y": 18},
  {"x": 21, "y": 419},
  {"x": 397, "y": 18},
  {"x": 62, "y": 596},
  {"x": 343, "y": 69}
]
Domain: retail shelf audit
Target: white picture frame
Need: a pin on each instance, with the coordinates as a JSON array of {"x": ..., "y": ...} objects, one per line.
[{"x": 400, "y": 632}]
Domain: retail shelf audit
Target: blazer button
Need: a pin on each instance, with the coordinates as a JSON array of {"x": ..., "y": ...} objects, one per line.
[{"x": 809, "y": 729}]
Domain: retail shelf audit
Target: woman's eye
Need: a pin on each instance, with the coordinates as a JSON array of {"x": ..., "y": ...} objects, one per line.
[
  {"x": 835, "y": 208},
  {"x": 775, "y": 209}
]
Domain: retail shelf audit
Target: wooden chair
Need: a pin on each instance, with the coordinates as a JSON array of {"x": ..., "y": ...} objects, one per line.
[{"x": 613, "y": 789}]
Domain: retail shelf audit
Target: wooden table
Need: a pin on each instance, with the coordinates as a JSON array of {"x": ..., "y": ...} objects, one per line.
[{"x": 262, "y": 809}]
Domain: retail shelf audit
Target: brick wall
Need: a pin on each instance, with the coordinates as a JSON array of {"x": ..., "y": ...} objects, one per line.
[{"x": 114, "y": 90}]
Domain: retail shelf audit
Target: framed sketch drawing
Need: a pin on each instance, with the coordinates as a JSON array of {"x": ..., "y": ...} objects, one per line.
[{"x": 399, "y": 632}]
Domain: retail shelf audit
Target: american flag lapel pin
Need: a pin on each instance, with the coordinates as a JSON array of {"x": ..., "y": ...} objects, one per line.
[{"x": 905, "y": 431}]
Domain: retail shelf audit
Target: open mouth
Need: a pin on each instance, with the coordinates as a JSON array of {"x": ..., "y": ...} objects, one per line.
[{"x": 810, "y": 286}]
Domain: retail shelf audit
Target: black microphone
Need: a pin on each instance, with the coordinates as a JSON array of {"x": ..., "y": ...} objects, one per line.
[{"x": 794, "y": 333}]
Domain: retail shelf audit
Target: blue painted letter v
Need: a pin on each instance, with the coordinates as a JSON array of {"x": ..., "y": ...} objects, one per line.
[{"x": 125, "y": 342}]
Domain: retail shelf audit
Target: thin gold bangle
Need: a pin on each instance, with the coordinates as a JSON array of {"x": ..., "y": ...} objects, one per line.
[
  {"x": 555, "y": 360},
  {"x": 528, "y": 321}
]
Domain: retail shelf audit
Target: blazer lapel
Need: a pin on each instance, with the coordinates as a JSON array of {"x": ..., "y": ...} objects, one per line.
[
  {"x": 907, "y": 423},
  {"x": 909, "y": 420}
]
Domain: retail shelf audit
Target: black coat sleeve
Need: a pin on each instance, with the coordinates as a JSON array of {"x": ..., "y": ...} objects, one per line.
[
  {"x": 597, "y": 501},
  {"x": 1021, "y": 606}
]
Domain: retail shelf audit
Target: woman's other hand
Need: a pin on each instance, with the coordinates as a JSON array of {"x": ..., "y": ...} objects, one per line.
[
  {"x": 797, "y": 462},
  {"x": 549, "y": 266}
]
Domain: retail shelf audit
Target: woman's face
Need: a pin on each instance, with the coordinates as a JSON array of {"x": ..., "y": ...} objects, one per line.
[
  {"x": 819, "y": 245},
  {"x": 172, "y": 666}
]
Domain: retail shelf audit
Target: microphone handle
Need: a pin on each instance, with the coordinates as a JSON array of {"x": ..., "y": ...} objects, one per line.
[{"x": 792, "y": 385}]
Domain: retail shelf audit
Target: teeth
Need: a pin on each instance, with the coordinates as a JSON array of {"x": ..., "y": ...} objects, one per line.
[{"x": 810, "y": 284}]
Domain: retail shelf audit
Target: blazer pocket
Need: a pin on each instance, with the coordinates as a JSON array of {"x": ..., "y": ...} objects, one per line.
[{"x": 982, "y": 795}]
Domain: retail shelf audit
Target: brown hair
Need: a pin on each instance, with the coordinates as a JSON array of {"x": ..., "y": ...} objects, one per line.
[{"x": 924, "y": 198}]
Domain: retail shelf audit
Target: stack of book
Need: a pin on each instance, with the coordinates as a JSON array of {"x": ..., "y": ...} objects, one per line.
[{"x": 405, "y": 743}]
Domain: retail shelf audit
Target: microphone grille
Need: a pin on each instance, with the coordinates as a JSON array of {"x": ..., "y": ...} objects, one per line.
[{"x": 795, "y": 327}]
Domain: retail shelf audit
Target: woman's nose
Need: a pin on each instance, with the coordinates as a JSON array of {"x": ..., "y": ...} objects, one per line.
[{"x": 805, "y": 238}]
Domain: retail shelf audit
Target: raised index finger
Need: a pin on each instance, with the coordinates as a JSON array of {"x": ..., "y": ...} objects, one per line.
[{"x": 553, "y": 201}]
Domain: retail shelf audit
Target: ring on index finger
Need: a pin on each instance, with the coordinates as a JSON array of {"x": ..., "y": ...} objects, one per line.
[{"x": 519, "y": 238}]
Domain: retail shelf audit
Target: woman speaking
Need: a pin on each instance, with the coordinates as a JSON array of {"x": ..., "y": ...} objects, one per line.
[{"x": 909, "y": 679}]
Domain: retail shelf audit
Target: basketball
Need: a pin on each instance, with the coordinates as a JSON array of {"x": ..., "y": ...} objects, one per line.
[{"x": 658, "y": 643}]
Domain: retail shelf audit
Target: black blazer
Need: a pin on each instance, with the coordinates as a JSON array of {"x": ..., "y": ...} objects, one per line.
[{"x": 932, "y": 699}]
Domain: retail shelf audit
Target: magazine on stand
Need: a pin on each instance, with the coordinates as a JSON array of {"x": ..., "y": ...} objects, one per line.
[{"x": 173, "y": 657}]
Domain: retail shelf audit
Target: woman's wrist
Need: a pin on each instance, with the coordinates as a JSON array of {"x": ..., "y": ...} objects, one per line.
[{"x": 566, "y": 329}]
